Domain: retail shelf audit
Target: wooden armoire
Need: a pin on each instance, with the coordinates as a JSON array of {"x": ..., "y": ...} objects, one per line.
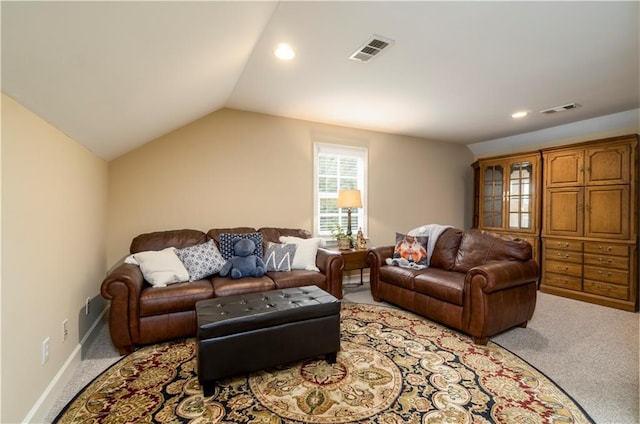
[
  {"x": 508, "y": 197},
  {"x": 590, "y": 226},
  {"x": 583, "y": 207}
]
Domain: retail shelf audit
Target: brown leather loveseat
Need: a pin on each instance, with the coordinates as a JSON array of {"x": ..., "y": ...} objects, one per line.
[
  {"x": 477, "y": 282},
  {"x": 141, "y": 314}
]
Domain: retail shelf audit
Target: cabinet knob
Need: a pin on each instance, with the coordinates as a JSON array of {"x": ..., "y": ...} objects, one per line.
[
  {"x": 604, "y": 274},
  {"x": 605, "y": 248},
  {"x": 604, "y": 261}
]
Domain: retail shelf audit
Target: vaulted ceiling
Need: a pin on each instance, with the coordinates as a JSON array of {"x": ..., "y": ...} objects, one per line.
[{"x": 115, "y": 75}]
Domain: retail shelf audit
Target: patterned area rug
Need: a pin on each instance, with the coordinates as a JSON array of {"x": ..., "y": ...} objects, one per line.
[{"x": 393, "y": 367}]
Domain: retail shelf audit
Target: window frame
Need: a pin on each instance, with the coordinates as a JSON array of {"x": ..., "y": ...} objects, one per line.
[{"x": 362, "y": 155}]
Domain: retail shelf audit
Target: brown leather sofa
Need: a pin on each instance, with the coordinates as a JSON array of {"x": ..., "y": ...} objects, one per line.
[
  {"x": 141, "y": 314},
  {"x": 477, "y": 282}
]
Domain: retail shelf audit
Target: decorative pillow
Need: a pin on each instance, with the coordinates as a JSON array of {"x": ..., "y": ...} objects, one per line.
[
  {"x": 279, "y": 257},
  {"x": 412, "y": 249},
  {"x": 226, "y": 243},
  {"x": 201, "y": 260},
  {"x": 161, "y": 268},
  {"x": 306, "y": 249}
]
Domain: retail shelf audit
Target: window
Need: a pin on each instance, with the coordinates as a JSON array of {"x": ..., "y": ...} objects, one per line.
[{"x": 338, "y": 167}]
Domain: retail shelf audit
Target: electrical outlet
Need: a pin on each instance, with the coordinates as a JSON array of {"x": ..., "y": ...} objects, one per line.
[
  {"x": 86, "y": 306},
  {"x": 65, "y": 330},
  {"x": 45, "y": 350}
]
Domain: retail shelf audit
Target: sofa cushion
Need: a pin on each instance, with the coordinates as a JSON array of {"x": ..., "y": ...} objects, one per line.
[
  {"x": 306, "y": 251},
  {"x": 411, "y": 248},
  {"x": 227, "y": 242},
  {"x": 279, "y": 257},
  {"x": 175, "y": 298},
  {"x": 162, "y": 239},
  {"x": 227, "y": 286},
  {"x": 298, "y": 278},
  {"x": 447, "y": 286},
  {"x": 398, "y": 276},
  {"x": 160, "y": 268},
  {"x": 480, "y": 247},
  {"x": 201, "y": 260},
  {"x": 214, "y": 233},
  {"x": 446, "y": 249}
]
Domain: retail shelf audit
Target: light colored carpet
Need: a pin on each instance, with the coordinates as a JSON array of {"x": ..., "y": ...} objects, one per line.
[{"x": 592, "y": 352}]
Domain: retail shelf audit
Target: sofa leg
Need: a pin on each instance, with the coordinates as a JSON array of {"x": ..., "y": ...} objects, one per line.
[
  {"x": 524, "y": 324},
  {"x": 125, "y": 350},
  {"x": 376, "y": 299},
  {"x": 331, "y": 357},
  {"x": 481, "y": 340}
]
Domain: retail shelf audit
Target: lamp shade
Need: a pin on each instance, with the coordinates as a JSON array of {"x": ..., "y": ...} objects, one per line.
[{"x": 349, "y": 199}]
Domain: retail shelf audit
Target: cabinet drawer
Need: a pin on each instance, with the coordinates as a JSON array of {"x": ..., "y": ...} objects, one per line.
[
  {"x": 564, "y": 268},
  {"x": 608, "y": 248},
  {"x": 563, "y": 244},
  {"x": 607, "y": 261},
  {"x": 563, "y": 281},
  {"x": 604, "y": 289},
  {"x": 607, "y": 275},
  {"x": 563, "y": 255}
]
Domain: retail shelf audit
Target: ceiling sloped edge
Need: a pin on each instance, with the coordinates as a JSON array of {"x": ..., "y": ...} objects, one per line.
[{"x": 621, "y": 123}]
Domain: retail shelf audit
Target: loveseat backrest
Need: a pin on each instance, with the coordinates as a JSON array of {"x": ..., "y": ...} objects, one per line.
[
  {"x": 162, "y": 239},
  {"x": 480, "y": 247},
  {"x": 446, "y": 249}
]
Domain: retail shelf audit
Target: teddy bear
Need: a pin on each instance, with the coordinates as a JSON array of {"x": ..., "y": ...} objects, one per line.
[{"x": 244, "y": 263}]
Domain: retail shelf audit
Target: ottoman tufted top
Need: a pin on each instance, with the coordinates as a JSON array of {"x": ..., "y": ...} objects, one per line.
[{"x": 239, "y": 314}]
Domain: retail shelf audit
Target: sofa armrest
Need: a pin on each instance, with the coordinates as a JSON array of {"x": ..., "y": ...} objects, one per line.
[
  {"x": 504, "y": 274},
  {"x": 123, "y": 287},
  {"x": 498, "y": 296},
  {"x": 331, "y": 264},
  {"x": 376, "y": 258}
]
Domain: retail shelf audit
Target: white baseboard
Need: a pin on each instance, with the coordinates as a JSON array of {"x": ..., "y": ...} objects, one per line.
[{"x": 45, "y": 402}]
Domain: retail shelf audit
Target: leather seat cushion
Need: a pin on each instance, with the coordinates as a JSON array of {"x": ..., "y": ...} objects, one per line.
[
  {"x": 288, "y": 279},
  {"x": 239, "y": 314},
  {"x": 174, "y": 298},
  {"x": 226, "y": 286},
  {"x": 447, "y": 286},
  {"x": 398, "y": 276}
]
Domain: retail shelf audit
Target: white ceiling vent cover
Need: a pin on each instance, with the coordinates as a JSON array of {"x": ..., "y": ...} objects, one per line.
[
  {"x": 562, "y": 108},
  {"x": 371, "y": 48}
]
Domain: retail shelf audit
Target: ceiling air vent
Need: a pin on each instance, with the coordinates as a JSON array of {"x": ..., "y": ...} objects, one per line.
[
  {"x": 371, "y": 48},
  {"x": 562, "y": 108}
]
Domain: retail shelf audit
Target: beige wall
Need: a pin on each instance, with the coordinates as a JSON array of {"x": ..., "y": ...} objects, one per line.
[
  {"x": 54, "y": 194},
  {"x": 234, "y": 168}
]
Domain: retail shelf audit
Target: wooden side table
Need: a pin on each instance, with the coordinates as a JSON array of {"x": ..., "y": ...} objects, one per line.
[{"x": 355, "y": 259}]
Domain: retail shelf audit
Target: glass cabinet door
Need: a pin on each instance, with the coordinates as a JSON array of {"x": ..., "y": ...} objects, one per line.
[
  {"x": 492, "y": 199},
  {"x": 520, "y": 195}
]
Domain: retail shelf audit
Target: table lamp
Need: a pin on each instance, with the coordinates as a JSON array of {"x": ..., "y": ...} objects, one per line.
[{"x": 349, "y": 199}]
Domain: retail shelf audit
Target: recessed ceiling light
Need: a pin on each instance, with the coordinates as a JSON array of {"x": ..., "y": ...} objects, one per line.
[
  {"x": 521, "y": 114},
  {"x": 284, "y": 52}
]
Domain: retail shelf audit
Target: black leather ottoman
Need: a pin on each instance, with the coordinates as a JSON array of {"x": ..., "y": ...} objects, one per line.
[{"x": 245, "y": 333}]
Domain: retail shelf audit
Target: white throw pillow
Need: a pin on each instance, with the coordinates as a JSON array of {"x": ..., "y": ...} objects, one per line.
[
  {"x": 306, "y": 250},
  {"x": 161, "y": 268}
]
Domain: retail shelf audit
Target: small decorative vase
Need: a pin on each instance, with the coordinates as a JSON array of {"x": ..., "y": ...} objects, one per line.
[{"x": 343, "y": 243}]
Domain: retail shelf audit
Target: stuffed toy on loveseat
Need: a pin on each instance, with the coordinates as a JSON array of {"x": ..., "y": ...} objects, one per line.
[{"x": 152, "y": 307}]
